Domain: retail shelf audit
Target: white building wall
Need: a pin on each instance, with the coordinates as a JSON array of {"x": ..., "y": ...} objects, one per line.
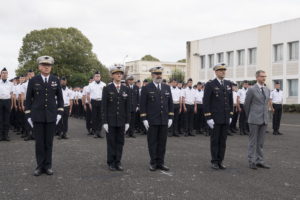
[{"x": 263, "y": 38}]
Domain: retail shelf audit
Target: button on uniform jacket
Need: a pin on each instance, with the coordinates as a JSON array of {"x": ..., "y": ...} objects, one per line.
[
  {"x": 218, "y": 101},
  {"x": 115, "y": 105},
  {"x": 156, "y": 105},
  {"x": 44, "y": 100}
]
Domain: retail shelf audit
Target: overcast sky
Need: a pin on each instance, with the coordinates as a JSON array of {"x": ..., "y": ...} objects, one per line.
[{"x": 136, "y": 27}]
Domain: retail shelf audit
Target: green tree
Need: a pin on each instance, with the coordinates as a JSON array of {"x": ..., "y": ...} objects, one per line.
[
  {"x": 182, "y": 60},
  {"x": 178, "y": 75},
  {"x": 71, "y": 50},
  {"x": 149, "y": 58}
]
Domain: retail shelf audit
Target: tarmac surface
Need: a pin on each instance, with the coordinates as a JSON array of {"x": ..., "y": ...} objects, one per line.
[{"x": 80, "y": 170}]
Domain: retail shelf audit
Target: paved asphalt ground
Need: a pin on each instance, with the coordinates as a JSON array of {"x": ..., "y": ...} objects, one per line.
[{"x": 81, "y": 173}]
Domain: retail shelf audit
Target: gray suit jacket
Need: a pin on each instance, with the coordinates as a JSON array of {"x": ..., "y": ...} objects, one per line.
[{"x": 256, "y": 105}]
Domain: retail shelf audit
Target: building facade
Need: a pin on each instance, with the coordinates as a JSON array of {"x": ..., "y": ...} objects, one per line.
[
  {"x": 273, "y": 48},
  {"x": 140, "y": 69}
]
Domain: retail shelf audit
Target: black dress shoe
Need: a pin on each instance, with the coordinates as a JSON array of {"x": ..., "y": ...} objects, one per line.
[
  {"x": 232, "y": 130},
  {"x": 229, "y": 134},
  {"x": 119, "y": 167},
  {"x": 221, "y": 166},
  {"x": 163, "y": 167},
  {"x": 215, "y": 166},
  {"x": 152, "y": 168},
  {"x": 191, "y": 134},
  {"x": 260, "y": 165},
  {"x": 112, "y": 168},
  {"x": 37, "y": 172},
  {"x": 275, "y": 133},
  {"x": 176, "y": 135},
  {"x": 49, "y": 172},
  {"x": 252, "y": 166},
  {"x": 6, "y": 139},
  {"x": 279, "y": 133}
]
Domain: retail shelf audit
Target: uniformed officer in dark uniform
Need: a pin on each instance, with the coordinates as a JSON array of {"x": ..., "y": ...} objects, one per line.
[
  {"x": 157, "y": 115},
  {"x": 44, "y": 107},
  {"x": 134, "y": 105},
  {"x": 115, "y": 117},
  {"x": 218, "y": 110}
]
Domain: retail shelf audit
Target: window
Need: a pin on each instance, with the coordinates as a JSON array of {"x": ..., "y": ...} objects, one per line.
[
  {"x": 220, "y": 57},
  {"x": 278, "y": 52},
  {"x": 241, "y": 57},
  {"x": 211, "y": 62},
  {"x": 230, "y": 58},
  {"x": 202, "y": 62},
  {"x": 293, "y": 87},
  {"x": 293, "y": 50},
  {"x": 252, "y": 56}
]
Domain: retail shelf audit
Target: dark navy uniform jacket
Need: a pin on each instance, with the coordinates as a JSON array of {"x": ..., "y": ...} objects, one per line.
[
  {"x": 44, "y": 101},
  {"x": 218, "y": 101},
  {"x": 115, "y": 105},
  {"x": 134, "y": 94},
  {"x": 156, "y": 106}
]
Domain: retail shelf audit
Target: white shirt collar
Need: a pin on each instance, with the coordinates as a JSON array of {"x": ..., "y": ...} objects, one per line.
[
  {"x": 260, "y": 86},
  {"x": 156, "y": 84},
  {"x": 220, "y": 80},
  {"x": 45, "y": 77},
  {"x": 117, "y": 85}
]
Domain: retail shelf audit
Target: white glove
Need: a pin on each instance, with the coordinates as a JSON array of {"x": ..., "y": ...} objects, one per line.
[
  {"x": 230, "y": 120},
  {"x": 170, "y": 123},
  {"x": 126, "y": 127},
  {"x": 146, "y": 124},
  {"x": 210, "y": 123},
  {"x": 30, "y": 122},
  {"x": 58, "y": 119},
  {"x": 105, "y": 126},
  {"x": 137, "y": 109}
]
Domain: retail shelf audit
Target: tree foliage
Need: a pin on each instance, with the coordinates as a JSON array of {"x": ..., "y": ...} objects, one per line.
[
  {"x": 71, "y": 50},
  {"x": 177, "y": 75},
  {"x": 182, "y": 60},
  {"x": 149, "y": 58}
]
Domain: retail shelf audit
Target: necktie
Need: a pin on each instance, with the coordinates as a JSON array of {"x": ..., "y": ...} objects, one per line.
[
  {"x": 277, "y": 90},
  {"x": 263, "y": 93},
  {"x": 118, "y": 88},
  {"x": 46, "y": 80},
  {"x": 222, "y": 82},
  {"x": 158, "y": 87},
  {"x": 4, "y": 80}
]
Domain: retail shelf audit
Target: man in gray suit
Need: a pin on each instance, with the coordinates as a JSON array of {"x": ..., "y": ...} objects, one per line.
[{"x": 256, "y": 108}]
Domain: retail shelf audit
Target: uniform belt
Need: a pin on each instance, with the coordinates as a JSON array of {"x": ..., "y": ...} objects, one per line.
[
  {"x": 66, "y": 105},
  {"x": 197, "y": 102},
  {"x": 175, "y": 102},
  {"x": 277, "y": 103},
  {"x": 5, "y": 99},
  {"x": 189, "y": 104},
  {"x": 96, "y": 99}
]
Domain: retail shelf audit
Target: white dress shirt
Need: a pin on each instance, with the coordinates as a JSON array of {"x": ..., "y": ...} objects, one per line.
[
  {"x": 6, "y": 89},
  {"x": 242, "y": 94},
  {"x": 189, "y": 95},
  {"x": 176, "y": 94},
  {"x": 199, "y": 96},
  {"x": 95, "y": 90},
  {"x": 234, "y": 95},
  {"x": 67, "y": 96},
  {"x": 276, "y": 96},
  {"x": 24, "y": 87}
]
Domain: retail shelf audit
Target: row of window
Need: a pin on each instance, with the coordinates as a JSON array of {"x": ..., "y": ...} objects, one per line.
[
  {"x": 293, "y": 51},
  {"x": 293, "y": 54}
]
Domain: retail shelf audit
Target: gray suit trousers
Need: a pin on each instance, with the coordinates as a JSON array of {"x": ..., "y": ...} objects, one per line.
[{"x": 256, "y": 143}]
